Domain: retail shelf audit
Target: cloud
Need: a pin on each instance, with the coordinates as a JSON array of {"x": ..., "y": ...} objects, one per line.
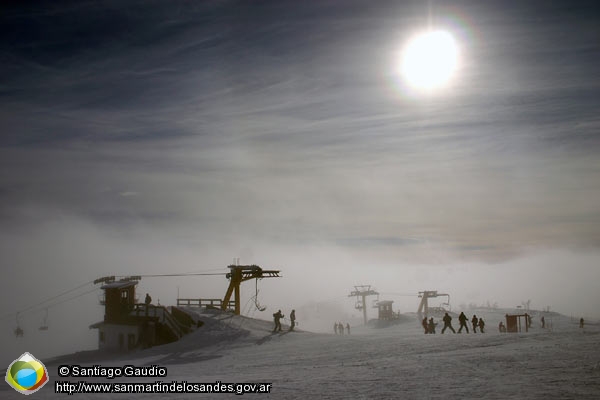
[
  {"x": 296, "y": 132},
  {"x": 128, "y": 194}
]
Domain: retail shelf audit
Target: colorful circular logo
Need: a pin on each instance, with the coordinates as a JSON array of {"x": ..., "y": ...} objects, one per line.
[{"x": 26, "y": 374}]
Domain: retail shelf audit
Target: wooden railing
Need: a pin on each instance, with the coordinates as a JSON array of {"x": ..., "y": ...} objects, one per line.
[{"x": 216, "y": 303}]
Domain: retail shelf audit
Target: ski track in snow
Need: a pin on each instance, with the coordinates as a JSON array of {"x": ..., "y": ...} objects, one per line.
[{"x": 398, "y": 362}]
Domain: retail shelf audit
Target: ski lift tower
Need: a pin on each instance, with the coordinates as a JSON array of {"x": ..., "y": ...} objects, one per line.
[
  {"x": 424, "y": 305},
  {"x": 362, "y": 291},
  {"x": 239, "y": 274}
]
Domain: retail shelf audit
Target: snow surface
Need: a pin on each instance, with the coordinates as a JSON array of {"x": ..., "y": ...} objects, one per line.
[{"x": 397, "y": 362}]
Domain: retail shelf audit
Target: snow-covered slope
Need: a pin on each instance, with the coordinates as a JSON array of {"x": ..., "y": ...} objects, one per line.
[{"x": 396, "y": 362}]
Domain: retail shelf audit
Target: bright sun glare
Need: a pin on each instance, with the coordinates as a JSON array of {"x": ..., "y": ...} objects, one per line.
[{"x": 430, "y": 60}]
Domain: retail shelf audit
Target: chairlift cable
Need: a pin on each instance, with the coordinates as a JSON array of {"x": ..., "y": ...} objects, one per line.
[
  {"x": 169, "y": 275},
  {"x": 398, "y": 294},
  {"x": 37, "y": 306}
]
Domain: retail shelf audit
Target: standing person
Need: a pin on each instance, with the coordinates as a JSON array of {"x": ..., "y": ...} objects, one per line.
[
  {"x": 475, "y": 322},
  {"x": 462, "y": 319},
  {"x": 348, "y": 327},
  {"x": 341, "y": 328},
  {"x": 501, "y": 327},
  {"x": 447, "y": 323},
  {"x": 147, "y": 301},
  {"x": 431, "y": 326},
  {"x": 335, "y": 327},
  {"x": 425, "y": 326},
  {"x": 543, "y": 321},
  {"x": 277, "y": 317},
  {"x": 581, "y": 323},
  {"x": 292, "y": 319},
  {"x": 481, "y": 325}
]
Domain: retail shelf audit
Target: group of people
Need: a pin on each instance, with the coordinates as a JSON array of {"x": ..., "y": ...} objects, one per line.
[
  {"x": 278, "y": 316},
  {"x": 338, "y": 328},
  {"x": 429, "y": 325}
]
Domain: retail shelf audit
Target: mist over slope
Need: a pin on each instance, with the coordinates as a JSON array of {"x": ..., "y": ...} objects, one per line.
[{"x": 398, "y": 361}]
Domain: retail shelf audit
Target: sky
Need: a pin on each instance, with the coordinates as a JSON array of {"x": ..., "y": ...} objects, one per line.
[{"x": 146, "y": 137}]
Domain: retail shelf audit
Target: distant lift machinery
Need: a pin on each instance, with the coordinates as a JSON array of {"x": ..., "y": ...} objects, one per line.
[
  {"x": 361, "y": 292},
  {"x": 424, "y": 308}
]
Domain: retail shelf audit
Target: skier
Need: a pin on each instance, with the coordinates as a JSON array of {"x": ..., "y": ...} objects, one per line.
[
  {"x": 475, "y": 322},
  {"x": 276, "y": 317},
  {"x": 481, "y": 325},
  {"x": 341, "y": 328},
  {"x": 431, "y": 326},
  {"x": 447, "y": 323},
  {"x": 348, "y": 327},
  {"x": 581, "y": 323},
  {"x": 425, "y": 326},
  {"x": 543, "y": 321},
  {"x": 293, "y": 319},
  {"x": 462, "y": 319}
]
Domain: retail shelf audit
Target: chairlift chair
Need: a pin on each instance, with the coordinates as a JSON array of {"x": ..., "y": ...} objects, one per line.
[
  {"x": 18, "y": 330},
  {"x": 44, "y": 326},
  {"x": 358, "y": 305},
  {"x": 256, "y": 303}
]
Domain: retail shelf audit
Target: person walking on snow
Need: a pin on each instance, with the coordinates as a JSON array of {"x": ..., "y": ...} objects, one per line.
[
  {"x": 481, "y": 325},
  {"x": 348, "y": 327},
  {"x": 462, "y": 319},
  {"x": 431, "y": 326},
  {"x": 447, "y": 323},
  {"x": 277, "y": 317},
  {"x": 475, "y": 322},
  {"x": 293, "y": 319}
]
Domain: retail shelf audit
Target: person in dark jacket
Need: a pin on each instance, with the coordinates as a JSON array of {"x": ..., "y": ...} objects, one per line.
[
  {"x": 277, "y": 317},
  {"x": 462, "y": 319},
  {"x": 292, "y": 320},
  {"x": 481, "y": 325},
  {"x": 475, "y": 322},
  {"x": 147, "y": 301},
  {"x": 431, "y": 326},
  {"x": 424, "y": 324},
  {"x": 447, "y": 323}
]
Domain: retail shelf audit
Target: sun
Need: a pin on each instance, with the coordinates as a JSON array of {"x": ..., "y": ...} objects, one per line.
[{"x": 430, "y": 60}]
